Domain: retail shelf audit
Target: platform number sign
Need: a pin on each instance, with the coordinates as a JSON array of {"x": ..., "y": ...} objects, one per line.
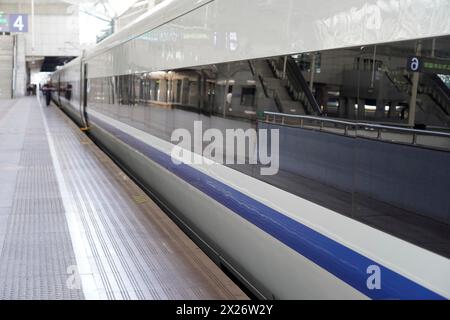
[
  {"x": 18, "y": 23},
  {"x": 428, "y": 65},
  {"x": 414, "y": 64}
]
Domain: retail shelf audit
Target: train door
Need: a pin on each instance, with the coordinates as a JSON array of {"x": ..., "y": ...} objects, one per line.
[
  {"x": 84, "y": 90},
  {"x": 59, "y": 90}
]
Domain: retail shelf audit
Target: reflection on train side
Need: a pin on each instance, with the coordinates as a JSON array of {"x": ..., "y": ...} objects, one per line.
[{"x": 359, "y": 177}]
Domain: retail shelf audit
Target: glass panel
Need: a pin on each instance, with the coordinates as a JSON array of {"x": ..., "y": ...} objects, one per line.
[{"x": 389, "y": 178}]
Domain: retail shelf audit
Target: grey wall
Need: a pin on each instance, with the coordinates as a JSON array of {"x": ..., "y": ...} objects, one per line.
[
  {"x": 6, "y": 66},
  {"x": 324, "y": 157},
  {"x": 408, "y": 177},
  {"x": 412, "y": 178}
]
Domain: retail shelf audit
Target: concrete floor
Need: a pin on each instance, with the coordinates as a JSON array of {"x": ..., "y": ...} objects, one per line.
[{"x": 74, "y": 226}]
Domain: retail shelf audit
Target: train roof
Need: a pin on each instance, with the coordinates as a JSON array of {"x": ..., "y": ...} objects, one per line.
[
  {"x": 157, "y": 16},
  {"x": 328, "y": 25}
]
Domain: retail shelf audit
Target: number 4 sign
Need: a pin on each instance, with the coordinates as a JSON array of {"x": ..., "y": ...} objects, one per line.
[{"x": 18, "y": 22}]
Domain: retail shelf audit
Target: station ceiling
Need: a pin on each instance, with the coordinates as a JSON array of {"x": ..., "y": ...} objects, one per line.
[{"x": 50, "y": 63}]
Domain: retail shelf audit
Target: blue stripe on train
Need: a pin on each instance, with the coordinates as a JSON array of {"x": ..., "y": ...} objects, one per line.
[{"x": 344, "y": 263}]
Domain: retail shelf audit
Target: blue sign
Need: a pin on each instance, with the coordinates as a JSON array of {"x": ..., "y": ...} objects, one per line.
[
  {"x": 18, "y": 23},
  {"x": 429, "y": 65}
]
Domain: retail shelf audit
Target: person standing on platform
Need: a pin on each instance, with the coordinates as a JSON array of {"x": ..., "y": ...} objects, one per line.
[{"x": 47, "y": 90}]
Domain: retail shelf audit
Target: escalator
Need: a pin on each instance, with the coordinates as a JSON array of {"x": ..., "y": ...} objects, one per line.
[
  {"x": 433, "y": 98},
  {"x": 437, "y": 90},
  {"x": 289, "y": 90},
  {"x": 261, "y": 71},
  {"x": 299, "y": 87}
]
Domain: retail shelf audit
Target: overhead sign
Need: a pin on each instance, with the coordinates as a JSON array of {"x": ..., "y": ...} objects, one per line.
[
  {"x": 428, "y": 65},
  {"x": 16, "y": 22}
]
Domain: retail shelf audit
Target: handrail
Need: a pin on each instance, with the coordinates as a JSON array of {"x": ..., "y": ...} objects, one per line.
[
  {"x": 252, "y": 67},
  {"x": 400, "y": 87},
  {"x": 278, "y": 101},
  {"x": 437, "y": 128},
  {"x": 348, "y": 124},
  {"x": 441, "y": 86},
  {"x": 297, "y": 73},
  {"x": 264, "y": 86},
  {"x": 297, "y": 116}
]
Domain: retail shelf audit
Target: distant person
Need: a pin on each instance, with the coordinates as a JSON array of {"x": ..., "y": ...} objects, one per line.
[
  {"x": 29, "y": 89},
  {"x": 47, "y": 90}
]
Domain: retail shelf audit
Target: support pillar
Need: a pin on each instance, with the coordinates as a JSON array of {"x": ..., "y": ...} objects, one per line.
[
  {"x": 381, "y": 109},
  {"x": 361, "y": 109},
  {"x": 351, "y": 102},
  {"x": 312, "y": 72},
  {"x": 343, "y": 112}
]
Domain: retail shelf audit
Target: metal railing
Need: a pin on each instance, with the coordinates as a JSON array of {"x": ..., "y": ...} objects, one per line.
[
  {"x": 362, "y": 129},
  {"x": 264, "y": 86}
]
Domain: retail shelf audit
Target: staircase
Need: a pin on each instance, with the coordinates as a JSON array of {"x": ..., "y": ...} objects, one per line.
[
  {"x": 436, "y": 89},
  {"x": 277, "y": 88},
  {"x": 433, "y": 96}
]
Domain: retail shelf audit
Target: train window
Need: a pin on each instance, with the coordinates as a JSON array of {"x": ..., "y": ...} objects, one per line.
[
  {"x": 68, "y": 94},
  {"x": 349, "y": 172},
  {"x": 156, "y": 90},
  {"x": 193, "y": 89},
  {"x": 178, "y": 91}
]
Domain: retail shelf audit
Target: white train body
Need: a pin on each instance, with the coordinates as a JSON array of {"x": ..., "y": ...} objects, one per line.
[{"x": 280, "y": 245}]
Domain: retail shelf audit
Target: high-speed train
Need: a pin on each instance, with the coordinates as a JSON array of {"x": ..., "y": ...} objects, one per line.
[{"x": 345, "y": 216}]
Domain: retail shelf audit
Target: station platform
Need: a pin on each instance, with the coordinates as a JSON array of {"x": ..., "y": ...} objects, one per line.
[{"x": 74, "y": 226}]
